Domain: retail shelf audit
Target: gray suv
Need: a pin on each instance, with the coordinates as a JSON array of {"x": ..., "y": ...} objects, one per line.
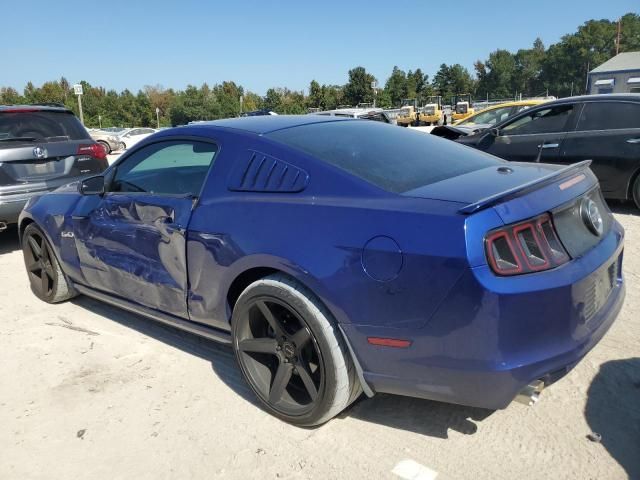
[{"x": 41, "y": 148}]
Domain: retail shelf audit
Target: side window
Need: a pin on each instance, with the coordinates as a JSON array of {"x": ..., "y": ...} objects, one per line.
[
  {"x": 174, "y": 167},
  {"x": 609, "y": 116},
  {"x": 547, "y": 120}
]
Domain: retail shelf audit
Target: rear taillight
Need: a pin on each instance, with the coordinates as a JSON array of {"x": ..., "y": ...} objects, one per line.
[
  {"x": 526, "y": 247},
  {"x": 94, "y": 150}
]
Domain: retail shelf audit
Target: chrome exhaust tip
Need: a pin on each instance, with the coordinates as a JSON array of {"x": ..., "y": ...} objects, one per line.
[
  {"x": 530, "y": 394},
  {"x": 3, "y": 226}
]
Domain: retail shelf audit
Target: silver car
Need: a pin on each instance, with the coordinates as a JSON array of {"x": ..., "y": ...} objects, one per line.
[{"x": 41, "y": 148}]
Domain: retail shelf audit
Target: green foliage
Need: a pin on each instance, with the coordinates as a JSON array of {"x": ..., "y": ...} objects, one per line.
[
  {"x": 358, "y": 88},
  {"x": 451, "y": 80},
  {"x": 561, "y": 69}
]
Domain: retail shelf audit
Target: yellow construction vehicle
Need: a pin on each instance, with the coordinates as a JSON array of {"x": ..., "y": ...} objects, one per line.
[
  {"x": 432, "y": 113},
  {"x": 462, "y": 107},
  {"x": 408, "y": 113}
]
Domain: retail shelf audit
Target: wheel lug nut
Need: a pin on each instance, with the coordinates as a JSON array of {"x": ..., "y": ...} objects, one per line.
[{"x": 278, "y": 348}]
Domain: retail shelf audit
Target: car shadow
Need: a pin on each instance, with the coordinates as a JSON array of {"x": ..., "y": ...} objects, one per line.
[
  {"x": 9, "y": 240},
  {"x": 425, "y": 417},
  {"x": 613, "y": 411},
  {"x": 624, "y": 208},
  {"x": 420, "y": 416}
]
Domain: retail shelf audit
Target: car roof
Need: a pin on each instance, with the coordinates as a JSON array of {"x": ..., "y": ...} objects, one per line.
[
  {"x": 519, "y": 103},
  {"x": 268, "y": 123},
  {"x": 602, "y": 97},
  {"x": 34, "y": 108}
]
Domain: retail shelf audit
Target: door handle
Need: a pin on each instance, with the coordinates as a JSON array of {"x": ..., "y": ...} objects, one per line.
[
  {"x": 633, "y": 140},
  {"x": 549, "y": 145}
]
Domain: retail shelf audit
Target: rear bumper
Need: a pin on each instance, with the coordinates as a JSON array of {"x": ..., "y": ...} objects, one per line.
[
  {"x": 12, "y": 205},
  {"x": 484, "y": 345}
]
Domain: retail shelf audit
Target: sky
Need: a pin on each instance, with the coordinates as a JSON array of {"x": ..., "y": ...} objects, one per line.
[{"x": 262, "y": 44}]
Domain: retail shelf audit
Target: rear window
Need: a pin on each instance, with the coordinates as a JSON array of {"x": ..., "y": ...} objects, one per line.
[
  {"x": 609, "y": 116},
  {"x": 41, "y": 126},
  {"x": 393, "y": 158}
]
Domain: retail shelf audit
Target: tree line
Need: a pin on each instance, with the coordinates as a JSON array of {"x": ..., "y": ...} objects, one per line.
[{"x": 559, "y": 70}]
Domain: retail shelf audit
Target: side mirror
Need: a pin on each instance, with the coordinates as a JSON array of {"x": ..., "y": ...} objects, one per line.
[
  {"x": 495, "y": 132},
  {"x": 92, "y": 186}
]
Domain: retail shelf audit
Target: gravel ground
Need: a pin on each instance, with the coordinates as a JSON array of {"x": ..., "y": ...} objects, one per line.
[{"x": 89, "y": 391}]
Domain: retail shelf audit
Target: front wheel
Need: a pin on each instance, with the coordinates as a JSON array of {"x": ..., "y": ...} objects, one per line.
[
  {"x": 47, "y": 280},
  {"x": 636, "y": 191},
  {"x": 290, "y": 352}
]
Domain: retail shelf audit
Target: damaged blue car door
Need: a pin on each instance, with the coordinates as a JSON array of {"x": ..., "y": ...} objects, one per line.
[{"x": 132, "y": 244}]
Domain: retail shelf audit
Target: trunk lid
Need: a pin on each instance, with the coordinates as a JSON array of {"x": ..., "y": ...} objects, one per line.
[
  {"x": 515, "y": 190},
  {"x": 20, "y": 165},
  {"x": 529, "y": 190}
]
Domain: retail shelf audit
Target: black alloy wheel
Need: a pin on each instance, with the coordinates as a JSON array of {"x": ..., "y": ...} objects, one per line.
[
  {"x": 46, "y": 278},
  {"x": 38, "y": 260},
  {"x": 279, "y": 356}
]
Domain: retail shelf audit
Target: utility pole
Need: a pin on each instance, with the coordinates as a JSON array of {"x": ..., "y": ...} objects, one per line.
[
  {"x": 77, "y": 89},
  {"x": 618, "y": 38},
  {"x": 100, "y": 121},
  {"x": 241, "y": 103},
  {"x": 374, "y": 87},
  {"x": 158, "y": 116}
]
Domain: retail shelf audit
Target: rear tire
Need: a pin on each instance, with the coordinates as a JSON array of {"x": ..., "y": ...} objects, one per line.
[
  {"x": 636, "y": 191},
  {"x": 291, "y": 353},
  {"x": 47, "y": 280}
]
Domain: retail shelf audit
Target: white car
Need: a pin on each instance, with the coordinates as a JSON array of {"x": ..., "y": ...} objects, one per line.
[
  {"x": 131, "y": 137},
  {"x": 377, "y": 114}
]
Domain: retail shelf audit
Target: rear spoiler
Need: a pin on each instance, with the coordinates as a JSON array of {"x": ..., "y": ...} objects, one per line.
[{"x": 525, "y": 187}]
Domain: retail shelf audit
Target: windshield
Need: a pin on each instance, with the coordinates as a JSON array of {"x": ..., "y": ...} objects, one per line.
[
  {"x": 490, "y": 117},
  {"x": 39, "y": 126},
  {"x": 394, "y": 159}
]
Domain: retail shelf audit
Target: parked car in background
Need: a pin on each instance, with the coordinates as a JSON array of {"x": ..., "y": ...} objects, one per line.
[
  {"x": 106, "y": 138},
  {"x": 500, "y": 112},
  {"x": 486, "y": 118},
  {"x": 340, "y": 256},
  {"x": 131, "y": 137},
  {"x": 41, "y": 148},
  {"x": 602, "y": 128},
  {"x": 376, "y": 114},
  {"x": 257, "y": 113}
]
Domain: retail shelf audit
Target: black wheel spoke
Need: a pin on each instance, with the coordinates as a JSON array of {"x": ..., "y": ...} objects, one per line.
[
  {"x": 258, "y": 345},
  {"x": 45, "y": 252},
  {"x": 270, "y": 318},
  {"x": 34, "y": 267},
  {"x": 35, "y": 248},
  {"x": 301, "y": 337},
  {"x": 49, "y": 269},
  {"x": 280, "y": 382},
  {"x": 44, "y": 282},
  {"x": 308, "y": 382}
]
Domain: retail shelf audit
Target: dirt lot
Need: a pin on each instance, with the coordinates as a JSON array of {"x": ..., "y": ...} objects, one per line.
[{"x": 88, "y": 391}]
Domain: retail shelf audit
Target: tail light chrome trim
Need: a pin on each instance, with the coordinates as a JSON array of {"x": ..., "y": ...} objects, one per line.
[{"x": 526, "y": 247}]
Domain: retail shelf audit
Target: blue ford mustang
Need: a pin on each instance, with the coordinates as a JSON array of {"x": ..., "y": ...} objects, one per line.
[{"x": 343, "y": 256}]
